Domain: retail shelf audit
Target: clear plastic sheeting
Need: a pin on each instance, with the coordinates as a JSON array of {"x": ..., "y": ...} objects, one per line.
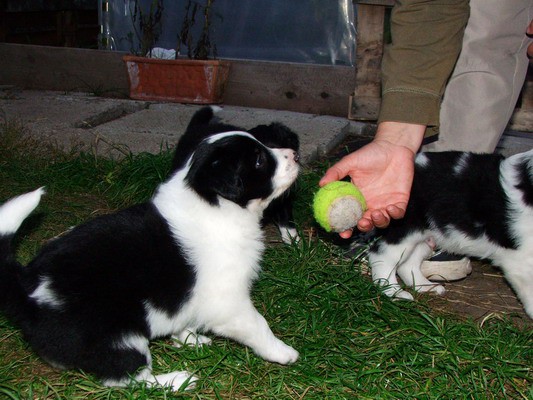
[{"x": 302, "y": 31}]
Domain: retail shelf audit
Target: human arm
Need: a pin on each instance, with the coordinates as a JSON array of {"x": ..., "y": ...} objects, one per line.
[{"x": 426, "y": 41}]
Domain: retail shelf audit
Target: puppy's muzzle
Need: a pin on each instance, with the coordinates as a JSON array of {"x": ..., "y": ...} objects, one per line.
[{"x": 296, "y": 156}]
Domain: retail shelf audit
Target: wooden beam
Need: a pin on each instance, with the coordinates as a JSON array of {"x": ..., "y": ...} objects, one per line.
[
  {"x": 62, "y": 68},
  {"x": 388, "y": 3},
  {"x": 364, "y": 103},
  {"x": 522, "y": 119},
  {"x": 317, "y": 89}
]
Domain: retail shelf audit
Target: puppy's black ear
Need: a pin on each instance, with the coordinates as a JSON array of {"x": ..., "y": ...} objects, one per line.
[
  {"x": 211, "y": 176},
  {"x": 203, "y": 116},
  {"x": 196, "y": 131},
  {"x": 222, "y": 181},
  {"x": 276, "y": 135}
]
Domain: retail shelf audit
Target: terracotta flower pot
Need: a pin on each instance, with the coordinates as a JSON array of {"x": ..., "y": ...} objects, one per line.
[{"x": 181, "y": 81}]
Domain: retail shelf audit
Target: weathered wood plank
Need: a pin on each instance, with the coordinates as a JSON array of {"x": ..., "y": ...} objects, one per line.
[
  {"x": 318, "y": 89},
  {"x": 522, "y": 120},
  {"x": 527, "y": 92},
  {"x": 388, "y": 3},
  {"x": 306, "y": 88},
  {"x": 62, "y": 68},
  {"x": 364, "y": 104}
]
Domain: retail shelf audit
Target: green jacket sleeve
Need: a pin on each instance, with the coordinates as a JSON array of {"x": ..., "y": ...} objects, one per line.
[{"x": 426, "y": 41}]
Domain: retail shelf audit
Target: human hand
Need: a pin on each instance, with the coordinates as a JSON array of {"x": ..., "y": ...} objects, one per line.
[{"x": 383, "y": 170}]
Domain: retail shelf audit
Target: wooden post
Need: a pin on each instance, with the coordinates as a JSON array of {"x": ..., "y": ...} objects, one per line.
[
  {"x": 365, "y": 101},
  {"x": 522, "y": 118}
]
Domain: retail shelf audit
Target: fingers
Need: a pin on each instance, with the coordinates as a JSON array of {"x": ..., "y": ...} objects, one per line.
[
  {"x": 375, "y": 220},
  {"x": 369, "y": 221},
  {"x": 346, "y": 234},
  {"x": 365, "y": 225},
  {"x": 396, "y": 211},
  {"x": 380, "y": 218}
]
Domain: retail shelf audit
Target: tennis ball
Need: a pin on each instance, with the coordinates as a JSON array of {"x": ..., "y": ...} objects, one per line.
[{"x": 338, "y": 206}]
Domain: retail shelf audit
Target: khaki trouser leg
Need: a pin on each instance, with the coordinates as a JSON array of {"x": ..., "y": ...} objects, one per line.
[{"x": 483, "y": 90}]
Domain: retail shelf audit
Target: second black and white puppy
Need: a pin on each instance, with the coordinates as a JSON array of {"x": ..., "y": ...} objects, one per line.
[
  {"x": 181, "y": 264},
  {"x": 280, "y": 211},
  {"x": 275, "y": 136},
  {"x": 477, "y": 205}
]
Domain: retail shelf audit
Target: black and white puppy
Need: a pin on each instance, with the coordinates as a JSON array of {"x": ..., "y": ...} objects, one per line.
[
  {"x": 275, "y": 136},
  {"x": 477, "y": 205},
  {"x": 280, "y": 210},
  {"x": 181, "y": 264}
]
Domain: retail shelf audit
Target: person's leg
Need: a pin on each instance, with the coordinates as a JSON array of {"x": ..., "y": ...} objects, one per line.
[{"x": 482, "y": 93}]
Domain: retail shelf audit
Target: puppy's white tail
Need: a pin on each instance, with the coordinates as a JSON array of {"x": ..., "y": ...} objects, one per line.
[
  {"x": 15, "y": 211},
  {"x": 13, "y": 297}
]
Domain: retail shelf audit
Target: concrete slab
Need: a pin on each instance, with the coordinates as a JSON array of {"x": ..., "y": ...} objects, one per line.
[
  {"x": 66, "y": 119},
  {"x": 112, "y": 127}
]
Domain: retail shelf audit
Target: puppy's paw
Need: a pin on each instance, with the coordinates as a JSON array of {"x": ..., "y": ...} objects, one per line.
[
  {"x": 286, "y": 355},
  {"x": 280, "y": 353},
  {"x": 189, "y": 338},
  {"x": 403, "y": 295},
  {"x": 431, "y": 288},
  {"x": 397, "y": 293},
  {"x": 289, "y": 235},
  {"x": 177, "y": 380},
  {"x": 438, "y": 289}
]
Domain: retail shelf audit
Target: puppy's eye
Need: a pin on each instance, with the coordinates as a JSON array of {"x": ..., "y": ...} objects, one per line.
[{"x": 259, "y": 160}]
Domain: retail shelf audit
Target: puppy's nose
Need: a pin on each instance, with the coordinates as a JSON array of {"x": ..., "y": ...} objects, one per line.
[{"x": 296, "y": 156}]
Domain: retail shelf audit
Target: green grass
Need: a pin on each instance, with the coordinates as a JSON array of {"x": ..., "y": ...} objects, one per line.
[{"x": 353, "y": 342}]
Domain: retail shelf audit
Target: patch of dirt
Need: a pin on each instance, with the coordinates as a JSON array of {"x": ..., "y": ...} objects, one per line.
[{"x": 482, "y": 295}]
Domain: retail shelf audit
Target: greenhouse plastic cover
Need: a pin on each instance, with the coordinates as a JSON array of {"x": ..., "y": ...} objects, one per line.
[{"x": 304, "y": 31}]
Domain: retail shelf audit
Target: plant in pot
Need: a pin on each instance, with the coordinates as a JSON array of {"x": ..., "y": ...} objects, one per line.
[{"x": 197, "y": 78}]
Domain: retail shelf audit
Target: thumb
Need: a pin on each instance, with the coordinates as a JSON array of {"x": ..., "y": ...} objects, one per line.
[{"x": 331, "y": 175}]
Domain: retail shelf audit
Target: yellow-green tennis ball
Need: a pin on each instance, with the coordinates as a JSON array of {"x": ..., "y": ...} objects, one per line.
[{"x": 338, "y": 206}]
